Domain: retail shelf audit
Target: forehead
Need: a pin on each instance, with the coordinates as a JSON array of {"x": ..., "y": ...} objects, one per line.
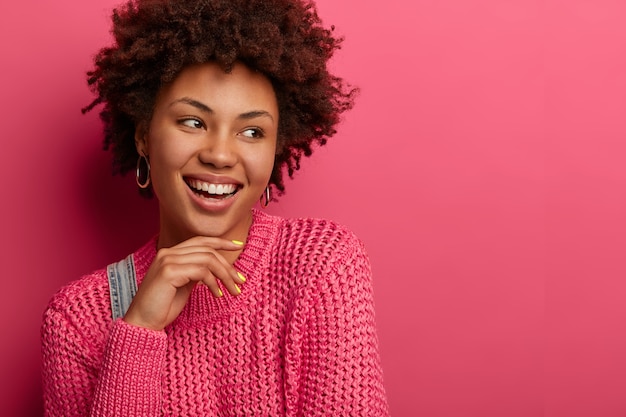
[{"x": 241, "y": 88}]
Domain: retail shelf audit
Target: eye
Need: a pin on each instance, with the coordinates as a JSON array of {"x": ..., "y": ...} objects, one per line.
[
  {"x": 252, "y": 132},
  {"x": 192, "y": 123}
]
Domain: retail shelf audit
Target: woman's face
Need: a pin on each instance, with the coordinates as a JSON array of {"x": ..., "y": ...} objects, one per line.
[{"x": 211, "y": 143}]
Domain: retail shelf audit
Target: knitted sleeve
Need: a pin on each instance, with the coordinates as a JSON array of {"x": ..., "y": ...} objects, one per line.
[
  {"x": 131, "y": 374},
  {"x": 340, "y": 371},
  {"x": 69, "y": 371},
  {"x": 81, "y": 377}
]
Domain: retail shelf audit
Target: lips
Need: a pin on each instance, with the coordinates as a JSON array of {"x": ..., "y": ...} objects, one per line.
[{"x": 212, "y": 190}]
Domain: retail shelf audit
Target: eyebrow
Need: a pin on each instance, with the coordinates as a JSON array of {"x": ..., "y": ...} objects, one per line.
[
  {"x": 206, "y": 109},
  {"x": 195, "y": 103}
]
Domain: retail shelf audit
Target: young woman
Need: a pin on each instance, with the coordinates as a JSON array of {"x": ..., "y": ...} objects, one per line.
[{"x": 237, "y": 313}]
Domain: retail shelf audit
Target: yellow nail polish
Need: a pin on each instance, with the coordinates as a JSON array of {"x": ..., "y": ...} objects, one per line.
[
  {"x": 238, "y": 242},
  {"x": 241, "y": 277},
  {"x": 238, "y": 289},
  {"x": 220, "y": 293}
]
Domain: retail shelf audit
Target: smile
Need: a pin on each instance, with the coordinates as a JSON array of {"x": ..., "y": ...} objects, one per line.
[{"x": 212, "y": 191}]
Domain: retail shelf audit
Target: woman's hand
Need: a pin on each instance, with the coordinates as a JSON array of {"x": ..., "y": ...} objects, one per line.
[{"x": 174, "y": 272}]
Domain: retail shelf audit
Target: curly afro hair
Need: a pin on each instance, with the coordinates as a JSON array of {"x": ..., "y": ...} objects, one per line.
[{"x": 282, "y": 39}]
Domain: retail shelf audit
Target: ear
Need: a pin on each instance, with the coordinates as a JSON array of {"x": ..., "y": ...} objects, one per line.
[{"x": 141, "y": 138}]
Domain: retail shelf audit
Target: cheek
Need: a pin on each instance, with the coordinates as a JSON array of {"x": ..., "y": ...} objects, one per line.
[
  {"x": 165, "y": 161},
  {"x": 259, "y": 171},
  {"x": 169, "y": 151},
  {"x": 265, "y": 163}
]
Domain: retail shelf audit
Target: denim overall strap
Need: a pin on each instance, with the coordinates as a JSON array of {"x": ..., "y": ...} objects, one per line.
[{"x": 122, "y": 285}]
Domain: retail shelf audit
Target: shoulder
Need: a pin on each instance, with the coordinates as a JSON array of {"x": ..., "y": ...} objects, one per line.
[
  {"x": 90, "y": 293},
  {"x": 307, "y": 234},
  {"x": 82, "y": 300},
  {"x": 320, "y": 235},
  {"x": 314, "y": 247},
  {"x": 328, "y": 266},
  {"x": 304, "y": 233}
]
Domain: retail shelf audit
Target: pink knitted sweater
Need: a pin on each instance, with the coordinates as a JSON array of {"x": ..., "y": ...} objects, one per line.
[{"x": 299, "y": 340}]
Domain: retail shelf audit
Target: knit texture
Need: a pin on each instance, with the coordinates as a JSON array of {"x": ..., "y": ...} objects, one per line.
[{"x": 299, "y": 340}]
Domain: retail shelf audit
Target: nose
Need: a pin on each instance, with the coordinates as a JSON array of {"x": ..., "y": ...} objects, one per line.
[{"x": 219, "y": 151}]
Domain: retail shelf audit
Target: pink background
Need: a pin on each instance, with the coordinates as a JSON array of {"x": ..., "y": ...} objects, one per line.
[{"x": 483, "y": 166}]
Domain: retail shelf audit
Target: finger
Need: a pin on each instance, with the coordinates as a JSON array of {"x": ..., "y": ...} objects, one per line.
[
  {"x": 206, "y": 267},
  {"x": 235, "y": 275},
  {"x": 212, "y": 242},
  {"x": 241, "y": 278},
  {"x": 232, "y": 287},
  {"x": 181, "y": 275},
  {"x": 213, "y": 260},
  {"x": 211, "y": 283},
  {"x": 226, "y": 274}
]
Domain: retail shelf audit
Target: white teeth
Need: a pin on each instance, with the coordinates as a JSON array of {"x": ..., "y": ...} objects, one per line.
[{"x": 217, "y": 189}]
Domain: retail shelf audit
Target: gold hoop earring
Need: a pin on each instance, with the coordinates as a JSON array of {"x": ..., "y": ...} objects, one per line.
[
  {"x": 268, "y": 197},
  {"x": 143, "y": 180}
]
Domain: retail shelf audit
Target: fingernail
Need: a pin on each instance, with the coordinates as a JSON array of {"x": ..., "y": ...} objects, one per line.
[
  {"x": 241, "y": 277},
  {"x": 220, "y": 293},
  {"x": 238, "y": 242},
  {"x": 238, "y": 289}
]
